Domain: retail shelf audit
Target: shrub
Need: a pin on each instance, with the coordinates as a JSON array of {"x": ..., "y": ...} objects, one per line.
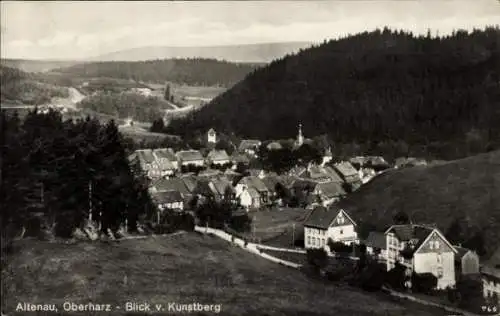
[
  {"x": 372, "y": 277},
  {"x": 424, "y": 282},
  {"x": 339, "y": 247},
  {"x": 396, "y": 277},
  {"x": 318, "y": 258}
]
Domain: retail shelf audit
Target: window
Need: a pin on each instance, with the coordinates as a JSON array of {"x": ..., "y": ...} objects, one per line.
[
  {"x": 436, "y": 244},
  {"x": 314, "y": 241},
  {"x": 439, "y": 258},
  {"x": 440, "y": 272},
  {"x": 323, "y": 242},
  {"x": 308, "y": 240},
  {"x": 341, "y": 231}
]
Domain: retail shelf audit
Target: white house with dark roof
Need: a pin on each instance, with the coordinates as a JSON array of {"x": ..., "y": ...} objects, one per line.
[
  {"x": 190, "y": 157},
  {"x": 328, "y": 192},
  {"x": 466, "y": 261},
  {"x": 147, "y": 163},
  {"x": 348, "y": 173},
  {"x": 164, "y": 158},
  {"x": 490, "y": 274},
  {"x": 171, "y": 200},
  {"x": 218, "y": 157},
  {"x": 329, "y": 223},
  {"x": 249, "y": 146},
  {"x": 256, "y": 184},
  {"x": 422, "y": 249}
]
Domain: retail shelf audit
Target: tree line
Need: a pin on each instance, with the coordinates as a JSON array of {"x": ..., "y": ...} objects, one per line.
[
  {"x": 193, "y": 71},
  {"x": 372, "y": 92},
  {"x": 63, "y": 171}
]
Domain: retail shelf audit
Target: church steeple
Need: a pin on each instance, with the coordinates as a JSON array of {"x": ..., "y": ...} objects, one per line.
[{"x": 300, "y": 137}]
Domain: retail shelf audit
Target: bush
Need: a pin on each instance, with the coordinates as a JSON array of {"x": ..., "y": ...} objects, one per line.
[
  {"x": 396, "y": 277},
  {"x": 470, "y": 291},
  {"x": 373, "y": 277},
  {"x": 339, "y": 247},
  {"x": 424, "y": 282},
  {"x": 318, "y": 258}
]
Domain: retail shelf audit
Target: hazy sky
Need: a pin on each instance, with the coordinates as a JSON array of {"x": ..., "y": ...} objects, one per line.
[{"x": 66, "y": 30}]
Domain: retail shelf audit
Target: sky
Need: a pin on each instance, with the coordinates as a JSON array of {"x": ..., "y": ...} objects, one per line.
[{"x": 79, "y": 30}]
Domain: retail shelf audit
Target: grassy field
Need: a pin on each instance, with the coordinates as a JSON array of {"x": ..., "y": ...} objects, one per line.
[
  {"x": 271, "y": 225},
  {"x": 184, "y": 268}
]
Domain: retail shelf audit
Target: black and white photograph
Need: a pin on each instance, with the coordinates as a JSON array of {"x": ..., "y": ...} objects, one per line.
[{"x": 247, "y": 158}]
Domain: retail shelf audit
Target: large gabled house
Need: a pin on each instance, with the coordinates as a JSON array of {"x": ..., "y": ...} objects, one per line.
[
  {"x": 171, "y": 200},
  {"x": 422, "y": 249},
  {"x": 147, "y": 163},
  {"x": 328, "y": 193},
  {"x": 218, "y": 157},
  {"x": 254, "y": 183},
  {"x": 349, "y": 174},
  {"x": 166, "y": 160},
  {"x": 249, "y": 146},
  {"x": 324, "y": 224},
  {"x": 190, "y": 157}
]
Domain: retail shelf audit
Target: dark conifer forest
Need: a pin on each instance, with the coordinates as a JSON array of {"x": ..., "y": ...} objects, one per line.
[
  {"x": 194, "y": 71},
  {"x": 381, "y": 91},
  {"x": 63, "y": 170}
]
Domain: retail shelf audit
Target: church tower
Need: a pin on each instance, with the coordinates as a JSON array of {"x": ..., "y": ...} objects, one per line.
[{"x": 300, "y": 137}]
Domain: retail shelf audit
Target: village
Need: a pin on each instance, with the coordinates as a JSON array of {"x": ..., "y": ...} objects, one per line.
[{"x": 175, "y": 179}]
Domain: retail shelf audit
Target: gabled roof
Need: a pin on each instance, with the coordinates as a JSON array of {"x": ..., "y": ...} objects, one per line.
[
  {"x": 217, "y": 155},
  {"x": 270, "y": 182},
  {"x": 274, "y": 146},
  {"x": 376, "y": 240},
  {"x": 189, "y": 155},
  {"x": 206, "y": 188},
  {"x": 346, "y": 169},
  {"x": 321, "y": 217},
  {"x": 461, "y": 252},
  {"x": 237, "y": 158},
  {"x": 254, "y": 194},
  {"x": 330, "y": 189},
  {"x": 255, "y": 172},
  {"x": 145, "y": 156},
  {"x": 190, "y": 181},
  {"x": 254, "y": 182},
  {"x": 249, "y": 144},
  {"x": 211, "y": 131},
  {"x": 222, "y": 185},
  {"x": 332, "y": 174},
  {"x": 172, "y": 184},
  {"x": 167, "y": 197},
  {"x": 166, "y": 153},
  {"x": 209, "y": 173}
]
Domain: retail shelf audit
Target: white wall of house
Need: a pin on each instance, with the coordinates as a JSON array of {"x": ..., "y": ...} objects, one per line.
[
  {"x": 173, "y": 205},
  {"x": 345, "y": 233},
  {"x": 315, "y": 238},
  {"x": 326, "y": 159},
  {"x": 382, "y": 254},
  {"x": 212, "y": 137},
  {"x": 245, "y": 198},
  {"x": 199, "y": 163},
  {"x": 442, "y": 265},
  {"x": 221, "y": 162},
  {"x": 490, "y": 287}
]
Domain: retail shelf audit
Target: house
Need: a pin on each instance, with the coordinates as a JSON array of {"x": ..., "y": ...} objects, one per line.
[
  {"x": 256, "y": 184},
  {"x": 171, "y": 184},
  {"x": 260, "y": 173},
  {"x": 163, "y": 158},
  {"x": 327, "y": 156},
  {"x": 167, "y": 153},
  {"x": 209, "y": 173},
  {"x": 206, "y": 189},
  {"x": 324, "y": 224},
  {"x": 271, "y": 181},
  {"x": 349, "y": 174},
  {"x": 239, "y": 159},
  {"x": 404, "y": 162},
  {"x": 190, "y": 157},
  {"x": 249, "y": 146},
  {"x": 466, "y": 261},
  {"x": 274, "y": 146},
  {"x": 490, "y": 273},
  {"x": 218, "y": 157},
  {"x": 376, "y": 245},
  {"x": 147, "y": 163},
  {"x": 211, "y": 136},
  {"x": 190, "y": 181},
  {"x": 225, "y": 190},
  {"x": 249, "y": 198},
  {"x": 171, "y": 200},
  {"x": 421, "y": 249},
  {"x": 328, "y": 192},
  {"x": 232, "y": 175}
]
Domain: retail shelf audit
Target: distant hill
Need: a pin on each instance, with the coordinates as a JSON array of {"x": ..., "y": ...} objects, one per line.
[
  {"x": 32, "y": 65},
  {"x": 466, "y": 190},
  {"x": 196, "y": 71},
  {"x": 248, "y": 53},
  {"x": 380, "y": 89}
]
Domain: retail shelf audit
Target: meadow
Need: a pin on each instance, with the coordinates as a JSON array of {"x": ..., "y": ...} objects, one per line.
[{"x": 183, "y": 268}]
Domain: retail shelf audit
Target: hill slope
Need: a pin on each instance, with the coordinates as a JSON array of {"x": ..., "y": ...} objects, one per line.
[
  {"x": 467, "y": 190},
  {"x": 369, "y": 88},
  {"x": 203, "y": 72},
  {"x": 184, "y": 269},
  {"x": 32, "y": 65},
  {"x": 250, "y": 53}
]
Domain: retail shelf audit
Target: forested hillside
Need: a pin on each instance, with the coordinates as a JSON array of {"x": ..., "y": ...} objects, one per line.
[
  {"x": 374, "y": 90},
  {"x": 196, "y": 71},
  {"x": 52, "y": 167},
  {"x": 461, "y": 197},
  {"x": 17, "y": 86}
]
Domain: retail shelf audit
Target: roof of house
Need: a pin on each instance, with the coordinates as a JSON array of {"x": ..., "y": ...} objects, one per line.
[
  {"x": 249, "y": 144},
  {"x": 332, "y": 174},
  {"x": 461, "y": 252},
  {"x": 167, "y": 153},
  {"x": 302, "y": 184},
  {"x": 321, "y": 217},
  {"x": 274, "y": 146},
  {"x": 189, "y": 155},
  {"x": 222, "y": 185},
  {"x": 209, "y": 173},
  {"x": 297, "y": 171},
  {"x": 254, "y": 182},
  {"x": 255, "y": 172},
  {"x": 217, "y": 155},
  {"x": 253, "y": 193},
  {"x": 236, "y": 158},
  {"x": 330, "y": 189},
  {"x": 287, "y": 180},
  {"x": 376, "y": 240},
  {"x": 211, "y": 131},
  {"x": 494, "y": 260},
  {"x": 172, "y": 184},
  {"x": 416, "y": 233},
  {"x": 206, "y": 187},
  {"x": 270, "y": 182},
  {"x": 346, "y": 169},
  {"x": 377, "y": 161},
  {"x": 190, "y": 181},
  {"x": 145, "y": 156},
  {"x": 167, "y": 197}
]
